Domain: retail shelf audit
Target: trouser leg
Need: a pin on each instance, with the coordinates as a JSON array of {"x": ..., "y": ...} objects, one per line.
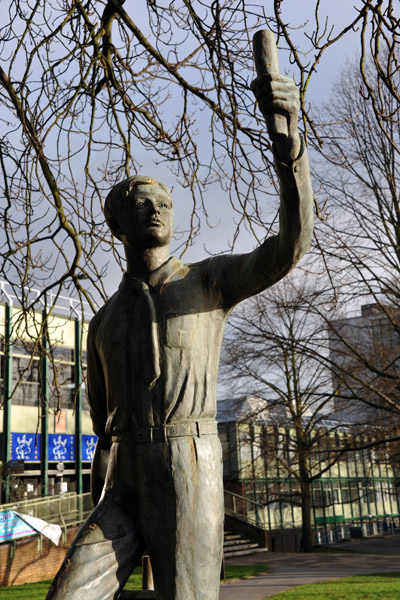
[
  {"x": 102, "y": 556},
  {"x": 180, "y": 515}
]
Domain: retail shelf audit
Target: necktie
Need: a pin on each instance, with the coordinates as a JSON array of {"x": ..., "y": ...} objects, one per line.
[{"x": 149, "y": 336}]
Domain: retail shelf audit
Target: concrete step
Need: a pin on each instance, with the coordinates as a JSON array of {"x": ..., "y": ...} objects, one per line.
[
  {"x": 236, "y": 544},
  {"x": 243, "y": 544},
  {"x": 232, "y": 536},
  {"x": 237, "y": 540},
  {"x": 245, "y": 552}
]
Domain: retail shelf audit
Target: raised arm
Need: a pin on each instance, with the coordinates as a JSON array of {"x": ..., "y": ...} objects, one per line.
[{"x": 241, "y": 276}]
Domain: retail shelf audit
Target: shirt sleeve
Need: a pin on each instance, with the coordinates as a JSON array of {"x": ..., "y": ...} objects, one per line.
[
  {"x": 96, "y": 384},
  {"x": 234, "y": 278}
]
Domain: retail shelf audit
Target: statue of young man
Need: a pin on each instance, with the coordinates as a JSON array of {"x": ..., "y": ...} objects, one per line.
[{"x": 153, "y": 353}]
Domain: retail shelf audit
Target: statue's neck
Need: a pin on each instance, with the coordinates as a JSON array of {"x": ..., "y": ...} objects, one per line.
[{"x": 141, "y": 262}]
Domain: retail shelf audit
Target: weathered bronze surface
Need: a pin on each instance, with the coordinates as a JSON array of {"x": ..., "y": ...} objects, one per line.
[
  {"x": 137, "y": 595},
  {"x": 153, "y": 352}
]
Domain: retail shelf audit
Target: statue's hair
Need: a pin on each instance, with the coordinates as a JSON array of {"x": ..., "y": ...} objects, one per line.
[{"x": 120, "y": 192}]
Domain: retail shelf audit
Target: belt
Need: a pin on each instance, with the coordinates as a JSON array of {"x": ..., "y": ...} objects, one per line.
[{"x": 162, "y": 434}]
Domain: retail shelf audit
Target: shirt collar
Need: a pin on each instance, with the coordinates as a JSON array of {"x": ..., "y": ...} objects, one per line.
[{"x": 172, "y": 270}]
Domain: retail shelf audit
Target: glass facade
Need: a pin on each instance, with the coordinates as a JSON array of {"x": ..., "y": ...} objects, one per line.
[{"x": 359, "y": 489}]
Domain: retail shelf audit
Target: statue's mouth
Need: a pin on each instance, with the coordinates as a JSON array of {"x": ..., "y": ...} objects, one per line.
[{"x": 155, "y": 223}]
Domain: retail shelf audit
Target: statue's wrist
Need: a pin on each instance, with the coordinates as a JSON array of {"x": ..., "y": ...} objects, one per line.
[{"x": 289, "y": 150}]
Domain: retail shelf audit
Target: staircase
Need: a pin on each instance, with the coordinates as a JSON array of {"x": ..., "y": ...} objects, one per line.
[
  {"x": 246, "y": 532},
  {"x": 236, "y": 544}
]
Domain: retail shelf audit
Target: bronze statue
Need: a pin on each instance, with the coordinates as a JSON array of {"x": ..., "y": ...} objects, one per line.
[{"x": 153, "y": 352}]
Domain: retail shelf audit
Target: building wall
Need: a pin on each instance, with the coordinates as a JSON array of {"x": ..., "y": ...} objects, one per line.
[
  {"x": 355, "y": 342},
  {"x": 54, "y": 379},
  {"x": 31, "y": 559},
  {"x": 359, "y": 486},
  {"x": 27, "y": 419}
]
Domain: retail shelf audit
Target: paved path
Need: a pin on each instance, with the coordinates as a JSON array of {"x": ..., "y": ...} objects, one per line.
[{"x": 289, "y": 570}]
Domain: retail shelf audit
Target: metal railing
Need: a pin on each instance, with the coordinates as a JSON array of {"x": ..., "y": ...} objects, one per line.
[
  {"x": 66, "y": 510},
  {"x": 71, "y": 509},
  {"x": 244, "y": 509},
  {"x": 62, "y": 304},
  {"x": 366, "y": 528}
]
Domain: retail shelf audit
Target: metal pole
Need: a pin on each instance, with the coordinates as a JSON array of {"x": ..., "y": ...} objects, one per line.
[
  {"x": 44, "y": 384},
  {"x": 359, "y": 483},
  {"x": 350, "y": 485},
  {"x": 78, "y": 406},
  {"x": 6, "y": 451}
]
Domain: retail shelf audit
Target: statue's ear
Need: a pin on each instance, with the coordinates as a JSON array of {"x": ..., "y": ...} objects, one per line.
[{"x": 115, "y": 228}]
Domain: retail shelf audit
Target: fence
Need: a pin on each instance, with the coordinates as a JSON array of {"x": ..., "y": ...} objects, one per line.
[
  {"x": 65, "y": 510},
  {"x": 357, "y": 529}
]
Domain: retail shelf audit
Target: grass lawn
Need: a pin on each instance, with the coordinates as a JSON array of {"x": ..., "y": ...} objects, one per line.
[
  {"x": 363, "y": 587},
  {"x": 38, "y": 591},
  {"x": 243, "y": 571}
]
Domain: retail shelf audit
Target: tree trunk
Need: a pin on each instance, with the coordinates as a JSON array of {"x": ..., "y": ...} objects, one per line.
[{"x": 307, "y": 544}]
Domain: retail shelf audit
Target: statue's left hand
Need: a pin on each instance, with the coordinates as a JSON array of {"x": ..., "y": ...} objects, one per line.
[{"x": 277, "y": 94}]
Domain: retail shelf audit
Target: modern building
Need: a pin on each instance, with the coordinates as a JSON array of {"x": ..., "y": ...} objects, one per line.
[
  {"x": 365, "y": 363},
  {"x": 47, "y": 441},
  {"x": 360, "y": 490}
]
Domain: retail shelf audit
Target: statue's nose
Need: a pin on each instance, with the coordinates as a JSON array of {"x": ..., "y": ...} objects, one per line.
[{"x": 154, "y": 207}]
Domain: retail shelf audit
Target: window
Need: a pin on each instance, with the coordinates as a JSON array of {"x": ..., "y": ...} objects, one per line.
[
  {"x": 349, "y": 492},
  {"x": 367, "y": 492},
  {"x": 61, "y": 377},
  {"x": 325, "y": 493},
  {"x": 25, "y": 369}
]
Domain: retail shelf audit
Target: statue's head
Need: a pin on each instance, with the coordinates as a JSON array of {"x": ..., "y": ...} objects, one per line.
[{"x": 139, "y": 212}]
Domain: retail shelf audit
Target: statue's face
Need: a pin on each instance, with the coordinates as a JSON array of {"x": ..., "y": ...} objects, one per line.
[{"x": 146, "y": 219}]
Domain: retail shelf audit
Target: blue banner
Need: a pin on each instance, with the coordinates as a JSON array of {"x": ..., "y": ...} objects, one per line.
[
  {"x": 61, "y": 447},
  {"x": 25, "y": 446},
  {"x": 12, "y": 527},
  {"x": 88, "y": 446}
]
